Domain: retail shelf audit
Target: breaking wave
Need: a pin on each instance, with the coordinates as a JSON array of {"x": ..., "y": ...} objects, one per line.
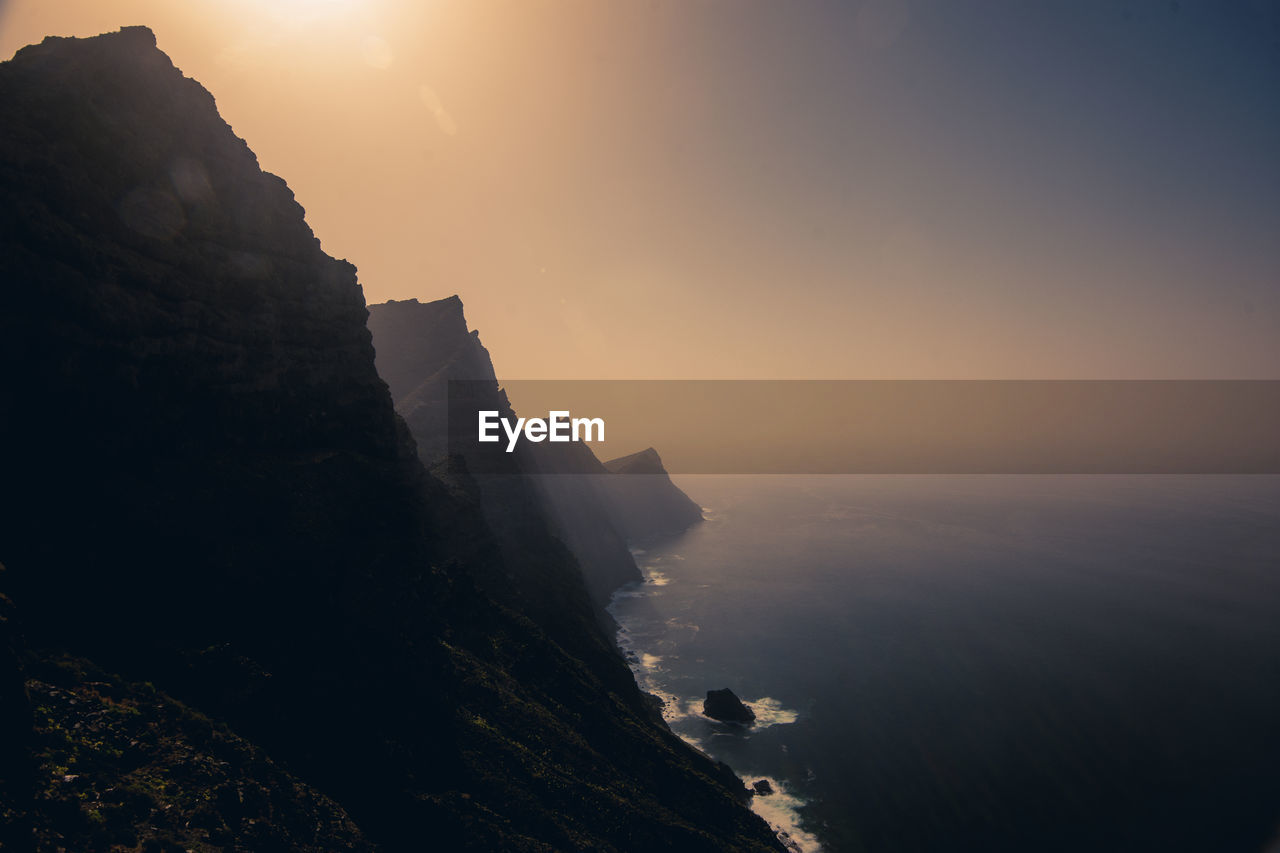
[
  {"x": 683, "y": 714},
  {"x": 781, "y": 810}
]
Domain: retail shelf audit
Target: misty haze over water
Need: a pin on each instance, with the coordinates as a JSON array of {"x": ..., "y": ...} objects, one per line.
[{"x": 969, "y": 662}]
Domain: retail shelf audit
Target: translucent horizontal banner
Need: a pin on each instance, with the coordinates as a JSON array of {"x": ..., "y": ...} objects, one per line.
[{"x": 870, "y": 427}]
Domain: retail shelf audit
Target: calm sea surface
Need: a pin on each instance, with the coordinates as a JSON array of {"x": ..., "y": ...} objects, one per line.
[{"x": 981, "y": 663}]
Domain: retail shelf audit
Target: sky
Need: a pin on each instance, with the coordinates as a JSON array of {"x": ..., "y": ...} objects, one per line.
[{"x": 773, "y": 189}]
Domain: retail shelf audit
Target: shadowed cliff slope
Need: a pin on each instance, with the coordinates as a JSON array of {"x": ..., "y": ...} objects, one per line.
[
  {"x": 646, "y": 503},
  {"x": 421, "y": 347},
  {"x": 207, "y": 488}
]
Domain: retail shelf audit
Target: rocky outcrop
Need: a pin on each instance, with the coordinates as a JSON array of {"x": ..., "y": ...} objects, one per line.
[
  {"x": 207, "y": 488},
  {"x": 647, "y": 505},
  {"x": 646, "y": 462},
  {"x": 725, "y": 706}
]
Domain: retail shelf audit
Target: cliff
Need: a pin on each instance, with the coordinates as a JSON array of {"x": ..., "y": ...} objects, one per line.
[
  {"x": 208, "y": 490},
  {"x": 596, "y": 513},
  {"x": 646, "y": 503},
  {"x": 420, "y": 347}
]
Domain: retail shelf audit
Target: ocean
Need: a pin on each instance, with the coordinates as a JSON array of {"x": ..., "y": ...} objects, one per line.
[{"x": 985, "y": 663}]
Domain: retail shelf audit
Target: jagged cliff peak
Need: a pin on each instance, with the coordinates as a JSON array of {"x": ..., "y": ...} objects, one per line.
[
  {"x": 650, "y": 506},
  {"x": 646, "y": 461},
  {"x": 118, "y": 92},
  {"x": 431, "y": 340},
  {"x": 449, "y": 309},
  {"x": 129, "y": 38}
]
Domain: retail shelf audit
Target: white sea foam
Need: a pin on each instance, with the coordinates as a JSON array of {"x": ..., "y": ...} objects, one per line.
[
  {"x": 684, "y": 714},
  {"x": 677, "y": 624},
  {"x": 769, "y": 712},
  {"x": 674, "y": 710},
  {"x": 782, "y": 811}
]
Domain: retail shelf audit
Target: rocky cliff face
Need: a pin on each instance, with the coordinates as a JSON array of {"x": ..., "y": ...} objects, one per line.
[
  {"x": 207, "y": 488},
  {"x": 595, "y": 512},
  {"x": 647, "y": 504},
  {"x": 421, "y": 347}
]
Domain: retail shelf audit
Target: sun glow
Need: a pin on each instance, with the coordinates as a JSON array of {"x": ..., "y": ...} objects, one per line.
[
  {"x": 308, "y": 9},
  {"x": 292, "y": 15}
]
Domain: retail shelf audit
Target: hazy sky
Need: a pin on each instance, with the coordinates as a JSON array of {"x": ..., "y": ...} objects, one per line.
[{"x": 773, "y": 188}]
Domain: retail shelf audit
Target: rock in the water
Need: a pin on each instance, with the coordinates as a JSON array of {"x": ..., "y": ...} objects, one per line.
[
  {"x": 723, "y": 705},
  {"x": 762, "y": 788}
]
